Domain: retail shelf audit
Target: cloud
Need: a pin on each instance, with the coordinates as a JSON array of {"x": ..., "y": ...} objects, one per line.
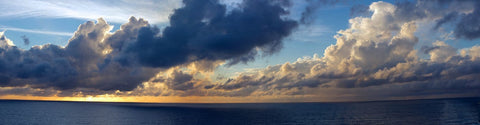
[
  {"x": 312, "y": 6},
  {"x": 310, "y": 33},
  {"x": 469, "y": 26},
  {"x": 4, "y": 41},
  {"x": 464, "y": 14},
  {"x": 156, "y": 11},
  {"x": 204, "y": 31},
  {"x": 450, "y": 17},
  {"x": 83, "y": 63},
  {"x": 375, "y": 58},
  {"x": 201, "y": 35},
  {"x": 25, "y": 91},
  {"x": 473, "y": 52},
  {"x": 26, "y": 41},
  {"x": 36, "y": 31},
  {"x": 441, "y": 51},
  {"x": 179, "y": 81}
]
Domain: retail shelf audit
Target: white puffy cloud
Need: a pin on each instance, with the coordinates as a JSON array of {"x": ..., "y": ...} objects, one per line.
[
  {"x": 441, "y": 51},
  {"x": 374, "y": 58},
  {"x": 4, "y": 41}
]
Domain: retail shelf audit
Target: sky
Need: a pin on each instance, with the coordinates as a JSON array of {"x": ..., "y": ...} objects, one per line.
[{"x": 224, "y": 51}]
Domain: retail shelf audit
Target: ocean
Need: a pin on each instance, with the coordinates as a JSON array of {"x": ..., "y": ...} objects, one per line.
[{"x": 410, "y": 112}]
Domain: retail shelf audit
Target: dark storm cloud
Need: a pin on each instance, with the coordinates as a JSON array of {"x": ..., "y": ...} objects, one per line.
[
  {"x": 464, "y": 14},
  {"x": 448, "y": 18},
  {"x": 203, "y": 30},
  {"x": 469, "y": 25},
  {"x": 95, "y": 61}
]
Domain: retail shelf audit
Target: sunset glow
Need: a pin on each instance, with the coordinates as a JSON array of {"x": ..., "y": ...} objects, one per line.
[{"x": 239, "y": 51}]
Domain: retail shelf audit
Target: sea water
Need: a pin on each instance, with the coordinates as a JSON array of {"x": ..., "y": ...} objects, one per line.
[{"x": 410, "y": 112}]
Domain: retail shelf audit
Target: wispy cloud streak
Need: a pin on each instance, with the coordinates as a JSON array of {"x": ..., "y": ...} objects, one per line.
[
  {"x": 36, "y": 31},
  {"x": 115, "y": 11}
]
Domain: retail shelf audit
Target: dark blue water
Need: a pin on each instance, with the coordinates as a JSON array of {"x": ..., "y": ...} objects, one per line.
[{"x": 424, "y": 112}]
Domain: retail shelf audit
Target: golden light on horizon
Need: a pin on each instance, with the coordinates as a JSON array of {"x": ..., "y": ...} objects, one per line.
[{"x": 157, "y": 99}]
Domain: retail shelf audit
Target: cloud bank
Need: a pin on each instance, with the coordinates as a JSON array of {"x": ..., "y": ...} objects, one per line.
[
  {"x": 201, "y": 32},
  {"x": 377, "y": 57}
]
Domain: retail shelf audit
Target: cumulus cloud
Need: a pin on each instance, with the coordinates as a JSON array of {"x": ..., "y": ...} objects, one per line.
[
  {"x": 375, "y": 58},
  {"x": 204, "y": 31},
  {"x": 83, "y": 63},
  {"x": 4, "y": 41},
  {"x": 375, "y": 55},
  {"x": 440, "y": 51},
  {"x": 201, "y": 36}
]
